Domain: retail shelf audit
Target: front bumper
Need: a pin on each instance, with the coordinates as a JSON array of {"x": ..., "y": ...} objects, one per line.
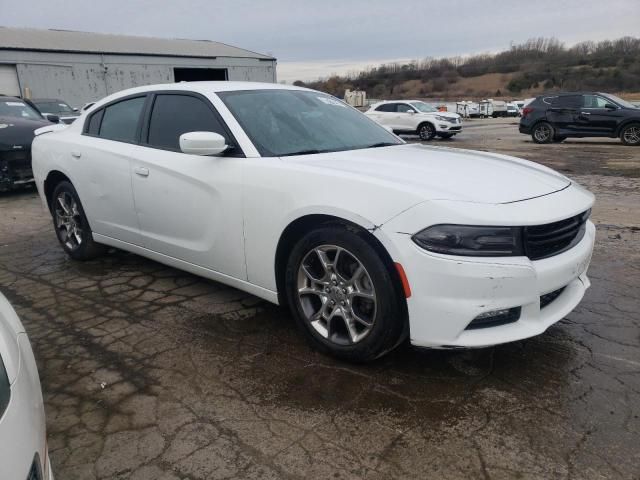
[
  {"x": 449, "y": 293},
  {"x": 15, "y": 169},
  {"x": 447, "y": 127}
]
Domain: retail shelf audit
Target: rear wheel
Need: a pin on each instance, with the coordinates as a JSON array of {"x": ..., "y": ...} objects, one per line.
[
  {"x": 630, "y": 135},
  {"x": 543, "y": 132},
  {"x": 343, "y": 296},
  {"x": 426, "y": 131},
  {"x": 71, "y": 225}
]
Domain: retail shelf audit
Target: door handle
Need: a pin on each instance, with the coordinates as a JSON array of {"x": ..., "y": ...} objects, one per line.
[
  {"x": 143, "y": 172},
  {"x": 76, "y": 154},
  {"x": 585, "y": 113}
]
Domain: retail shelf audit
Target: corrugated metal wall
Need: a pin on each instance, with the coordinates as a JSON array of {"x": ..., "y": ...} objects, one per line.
[{"x": 82, "y": 78}]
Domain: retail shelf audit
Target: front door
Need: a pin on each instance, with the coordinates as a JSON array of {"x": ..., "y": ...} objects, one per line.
[
  {"x": 599, "y": 116},
  {"x": 189, "y": 207},
  {"x": 405, "y": 117}
]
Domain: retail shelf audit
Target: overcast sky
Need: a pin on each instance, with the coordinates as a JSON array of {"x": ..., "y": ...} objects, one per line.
[{"x": 315, "y": 38}]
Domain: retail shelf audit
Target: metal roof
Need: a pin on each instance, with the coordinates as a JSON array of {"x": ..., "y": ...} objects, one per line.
[{"x": 85, "y": 42}]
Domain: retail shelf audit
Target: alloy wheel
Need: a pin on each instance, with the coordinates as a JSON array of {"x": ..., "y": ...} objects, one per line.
[
  {"x": 632, "y": 135},
  {"x": 68, "y": 220},
  {"x": 542, "y": 133},
  {"x": 336, "y": 294},
  {"x": 426, "y": 132}
]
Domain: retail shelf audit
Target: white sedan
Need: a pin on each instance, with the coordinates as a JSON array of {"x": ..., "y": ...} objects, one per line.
[
  {"x": 415, "y": 117},
  {"x": 293, "y": 196},
  {"x": 23, "y": 443}
]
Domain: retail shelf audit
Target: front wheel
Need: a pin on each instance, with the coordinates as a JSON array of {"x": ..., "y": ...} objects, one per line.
[
  {"x": 71, "y": 225},
  {"x": 543, "y": 133},
  {"x": 343, "y": 296},
  {"x": 630, "y": 135},
  {"x": 426, "y": 131}
]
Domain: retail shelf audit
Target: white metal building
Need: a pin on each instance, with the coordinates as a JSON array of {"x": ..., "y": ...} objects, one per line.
[{"x": 81, "y": 67}]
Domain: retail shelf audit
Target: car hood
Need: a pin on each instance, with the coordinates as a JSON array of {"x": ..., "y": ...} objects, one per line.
[
  {"x": 437, "y": 173},
  {"x": 16, "y": 131}
]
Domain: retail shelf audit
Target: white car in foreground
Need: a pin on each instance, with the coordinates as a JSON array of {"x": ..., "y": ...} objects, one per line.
[
  {"x": 417, "y": 118},
  {"x": 23, "y": 443},
  {"x": 297, "y": 198}
]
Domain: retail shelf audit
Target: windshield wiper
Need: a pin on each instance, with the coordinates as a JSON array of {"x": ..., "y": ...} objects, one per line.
[
  {"x": 302, "y": 152},
  {"x": 382, "y": 144}
]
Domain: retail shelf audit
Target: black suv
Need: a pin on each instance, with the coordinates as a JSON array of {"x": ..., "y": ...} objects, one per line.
[{"x": 555, "y": 117}]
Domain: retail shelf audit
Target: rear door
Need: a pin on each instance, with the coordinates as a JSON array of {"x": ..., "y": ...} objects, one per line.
[
  {"x": 385, "y": 114},
  {"x": 189, "y": 206},
  {"x": 563, "y": 113},
  {"x": 596, "y": 118},
  {"x": 103, "y": 154}
]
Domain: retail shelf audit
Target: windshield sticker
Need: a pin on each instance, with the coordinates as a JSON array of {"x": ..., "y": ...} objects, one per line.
[
  {"x": 331, "y": 101},
  {"x": 15, "y": 104}
]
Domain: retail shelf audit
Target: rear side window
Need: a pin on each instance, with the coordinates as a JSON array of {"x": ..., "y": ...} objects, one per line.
[
  {"x": 93, "y": 128},
  {"x": 173, "y": 115},
  {"x": 568, "y": 101},
  {"x": 120, "y": 120},
  {"x": 387, "y": 107}
]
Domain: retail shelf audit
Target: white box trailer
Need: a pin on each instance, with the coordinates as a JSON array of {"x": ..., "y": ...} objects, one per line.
[
  {"x": 493, "y": 108},
  {"x": 467, "y": 109}
]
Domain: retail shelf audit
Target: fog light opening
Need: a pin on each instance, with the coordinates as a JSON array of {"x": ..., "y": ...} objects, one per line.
[{"x": 495, "y": 318}]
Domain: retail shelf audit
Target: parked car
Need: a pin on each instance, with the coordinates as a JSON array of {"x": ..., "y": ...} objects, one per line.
[
  {"x": 512, "y": 110},
  {"x": 60, "y": 108},
  {"x": 300, "y": 199},
  {"x": 416, "y": 117},
  {"x": 18, "y": 121},
  {"x": 23, "y": 442},
  {"x": 556, "y": 117}
]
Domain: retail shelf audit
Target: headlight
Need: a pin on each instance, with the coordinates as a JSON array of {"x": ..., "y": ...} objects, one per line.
[
  {"x": 471, "y": 241},
  {"x": 442, "y": 119},
  {"x": 5, "y": 389}
]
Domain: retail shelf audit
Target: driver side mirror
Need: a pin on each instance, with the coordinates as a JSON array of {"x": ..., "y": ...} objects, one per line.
[
  {"x": 610, "y": 106},
  {"x": 52, "y": 118},
  {"x": 203, "y": 143}
]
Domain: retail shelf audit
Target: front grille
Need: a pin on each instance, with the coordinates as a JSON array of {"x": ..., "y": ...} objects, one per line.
[
  {"x": 455, "y": 128},
  {"x": 547, "y": 298},
  {"x": 543, "y": 241}
]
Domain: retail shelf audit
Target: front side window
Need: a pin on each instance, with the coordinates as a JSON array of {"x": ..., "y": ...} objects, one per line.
[
  {"x": 594, "y": 101},
  {"x": 294, "y": 122},
  {"x": 120, "y": 120},
  {"x": 404, "y": 108},
  {"x": 173, "y": 115}
]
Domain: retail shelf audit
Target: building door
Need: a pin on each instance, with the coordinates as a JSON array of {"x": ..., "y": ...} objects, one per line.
[
  {"x": 199, "y": 74},
  {"x": 9, "y": 81}
]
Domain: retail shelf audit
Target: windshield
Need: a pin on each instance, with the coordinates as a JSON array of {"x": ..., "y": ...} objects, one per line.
[
  {"x": 424, "y": 107},
  {"x": 620, "y": 101},
  {"x": 54, "y": 107},
  {"x": 295, "y": 122},
  {"x": 17, "y": 108}
]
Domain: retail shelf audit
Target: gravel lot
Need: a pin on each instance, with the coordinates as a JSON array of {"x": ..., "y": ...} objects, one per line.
[{"x": 152, "y": 373}]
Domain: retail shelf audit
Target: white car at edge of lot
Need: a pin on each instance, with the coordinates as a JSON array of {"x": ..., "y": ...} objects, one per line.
[
  {"x": 297, "y": 198},
  {"x": 23, "y": 442},
  {"x": 415, "y": 117}
]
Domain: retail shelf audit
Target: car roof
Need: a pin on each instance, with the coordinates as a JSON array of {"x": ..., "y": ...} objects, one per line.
[
  {"x": 36, "y": 100},
  {"x": 205, "y": 88}
]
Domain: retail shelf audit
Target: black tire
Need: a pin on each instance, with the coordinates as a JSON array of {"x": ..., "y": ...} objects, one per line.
[
  {"x": 388, "y": 320},
  {"x": 630, "y": 134},
  {"x": 559, "y": 139},
  {"x": 445, "y": 136},
  {"x": 71, "y": 225},
  {"x": 543, "y": 132},
  {"x": 426, "y": 131}
]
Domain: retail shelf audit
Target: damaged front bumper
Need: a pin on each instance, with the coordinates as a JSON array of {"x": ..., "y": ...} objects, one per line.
[{"x": 15, "y": 169}]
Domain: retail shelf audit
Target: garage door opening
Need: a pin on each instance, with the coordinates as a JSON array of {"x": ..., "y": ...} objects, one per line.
[{"x": 199, "y": 74}]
